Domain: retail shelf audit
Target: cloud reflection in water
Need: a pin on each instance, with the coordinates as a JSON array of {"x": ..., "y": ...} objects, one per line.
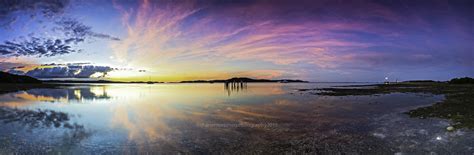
[{"x": 195, "y": 118}]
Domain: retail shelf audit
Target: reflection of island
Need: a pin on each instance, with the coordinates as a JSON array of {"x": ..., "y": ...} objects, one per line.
[
  {"x": 86, "y": 93},
  {"x": 239, "y": 84},
  {"x": 234, "y": 85}
]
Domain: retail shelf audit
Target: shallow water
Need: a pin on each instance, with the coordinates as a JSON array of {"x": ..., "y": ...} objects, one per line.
[{"x": 204, "y": 118}]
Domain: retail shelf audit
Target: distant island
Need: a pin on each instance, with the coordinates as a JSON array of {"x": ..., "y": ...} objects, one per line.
[
  {"x": 247, "y": 80},
  {"x": 12, "y": 78},
  {"x": 239, "y": 79}
]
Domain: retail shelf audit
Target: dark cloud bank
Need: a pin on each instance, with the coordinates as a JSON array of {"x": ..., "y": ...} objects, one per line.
[
  {"x": 47, "y": 8},
  {"x": 74, "y": 70}
]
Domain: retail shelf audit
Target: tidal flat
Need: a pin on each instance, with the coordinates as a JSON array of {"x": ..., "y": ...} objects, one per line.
[
  {"x": 325, "y": 118},
  {"x": 457, "y": 105}
]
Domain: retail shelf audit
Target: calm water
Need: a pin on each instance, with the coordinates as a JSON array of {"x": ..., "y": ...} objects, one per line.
[{"x": 203, "y": 118}]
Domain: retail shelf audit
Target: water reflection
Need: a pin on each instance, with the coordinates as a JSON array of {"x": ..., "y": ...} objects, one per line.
[
  {"x": 195, "y": 118},
  {"x": 234, "y": 86},
  {"x": 37, "y": 118},
  {"x": 64, "y": 95}
]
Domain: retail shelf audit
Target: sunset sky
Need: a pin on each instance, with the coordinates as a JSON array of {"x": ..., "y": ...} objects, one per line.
[{"x": 315, "y": 40}]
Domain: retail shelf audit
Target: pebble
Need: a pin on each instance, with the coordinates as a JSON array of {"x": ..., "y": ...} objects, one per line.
[{"x": 450, "y": 128}]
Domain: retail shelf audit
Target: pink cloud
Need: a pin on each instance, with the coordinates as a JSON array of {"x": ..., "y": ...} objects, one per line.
[{"x": 196, "y": 34}]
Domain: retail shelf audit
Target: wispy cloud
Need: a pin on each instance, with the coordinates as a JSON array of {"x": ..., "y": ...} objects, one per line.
[
  {"x": 76, "y": 32},
  {"x": 326, "y": 35},
  {"x": 177, "y": 32},
  {"x": 215, "y": 38},
  {"x": 161, "y": 36}
]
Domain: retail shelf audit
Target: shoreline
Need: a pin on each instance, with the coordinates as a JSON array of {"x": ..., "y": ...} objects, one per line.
[{"x": 456, "y": 107}]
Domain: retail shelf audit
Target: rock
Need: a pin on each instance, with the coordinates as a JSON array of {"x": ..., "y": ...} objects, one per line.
[{"x": 450, "y": 128}]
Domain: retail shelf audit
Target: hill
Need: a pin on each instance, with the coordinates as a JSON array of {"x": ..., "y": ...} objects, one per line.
[
  {"x": 11, "y": 78},
  {"x": 464, "y": 80},
  {"x": 245, "y": 79}
]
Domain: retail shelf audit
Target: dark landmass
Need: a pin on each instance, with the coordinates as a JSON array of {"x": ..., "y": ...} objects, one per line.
[
  {"x": 12, "y": 78},
  {"x": 248, "y": 80},
  {"x": 458, "y": 105},
  {"x": 464, "y": 80},
  {"x": 12, "y": 83}
]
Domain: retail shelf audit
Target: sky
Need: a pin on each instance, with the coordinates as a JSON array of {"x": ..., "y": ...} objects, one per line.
[{"x": 165, "y": 40}]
